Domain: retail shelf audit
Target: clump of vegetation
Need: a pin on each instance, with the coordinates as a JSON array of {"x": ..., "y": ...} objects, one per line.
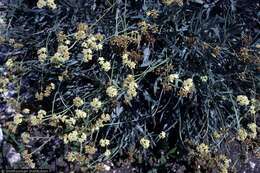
[{"x": 94, "y": 86}]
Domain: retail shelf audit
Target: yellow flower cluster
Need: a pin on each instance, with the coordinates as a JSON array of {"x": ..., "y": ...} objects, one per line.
[
  {"x": 74, "y": 136},
  {"x": 111, "y": 91},
  {"x": 187, "y": 87},
  {"x": 46, "y": 93},
  {"x": 3, "y": 84},
  {"x": 204, "y": 78},
  {"x": 49, "y": 90},
  {"x": 169, "y": 2},
  {"x": 203, "y": 149},
  {"x": 92, "y": 42},
  {"x": 223, "y": 163},
  {"x": 105, "y": 65},
  {"x": 64, "y": 75},
  {"x": 87, "y": 55},
  {"x": 162, "y": 135},
  {"x": 242, "y": 100},
  {"x": 131, "y": 86},
  {"x": 70, "y": 121},
  {"x": 82, "y": 138},
  {"x": 36, "y": 120},
  {"x": 42, "y": 54},
  {"x": 90, "y": 45},
  {"x": 152, "y": 13},
  {"x": 89, "y": 149},
  {"x": 216, "y": 135},
  {"x": 26, "y": 111},
  {"x": 127, "y": 62},
  {"x": 104, "y": 142},
  {"x": 61, "y": 56},
  {"x": 72, "y": 156},
  {"x": 242, "y": 134},
  {"x": 62, "y": 38},
  {"x": 96, "y": 103},
  {"x": 253, "y": 130},
  {"x": 9, "y": 63},
  {"x": 81, "y": 33},
  {"x": 46, "y": 3},
  {"x": 244, "y": 53},
  {"x": 172, "y": 77},
  {"x": 18, "y": 118},
  {"x": 144, "y": 26},
  {"x": 28, "y": 159},
  {"x": 100, "y": 122},
  {"x": 25, "y": 137},
  {"x": 80, "y": 113},
  {"x": 54, "y": 120},
  {"x": 145, "y": 143},
  {"x": 107, "y": 153},
  {"x": 252, "y": 110},
  {"x": 78, "y": 102}
]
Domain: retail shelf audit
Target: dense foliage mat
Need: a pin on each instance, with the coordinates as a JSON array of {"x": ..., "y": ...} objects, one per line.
[{"x": 142, "y": 85}]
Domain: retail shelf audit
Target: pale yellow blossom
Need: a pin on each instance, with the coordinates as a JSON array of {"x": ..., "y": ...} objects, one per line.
[
  {"x": 80, "y": 113},
  {"x": 242, "y": 100},
  {"x": 104, "y": 142},
  {"x": 202, "y": 149},
  {"x": 242, "y": 134},
  {"x": 96, "y": 103},
  {"x": 162, "y": 135},
  {"x": 111, "y": 91},
  {"x": 78, "y": 102},
  {"x": 145, "y": 143}
]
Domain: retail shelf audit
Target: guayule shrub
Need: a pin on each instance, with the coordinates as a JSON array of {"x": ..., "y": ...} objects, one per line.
[{"x": 102, "y": 83}]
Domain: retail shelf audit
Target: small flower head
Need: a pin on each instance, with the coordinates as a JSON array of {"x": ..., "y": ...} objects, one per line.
[
  {"x": 170, "y": 2},
  {"x": 80, "y": 113},
  {"x": 25, "y": 137},
  {"x": 242, "y": 134},
  {"x": 105, "y": 117},
  {"x": 42, "y": 54},
  {"x": 99, "y": 46},
  {"x": 173, "y": 77},
  {"x": 18, "y": 118},
  {"x": 87, "y": 55},
  {"x": 105, "y": 65},
  {"x": 242, "y": 100},
  {"x": 41, "y": 3},
  {"x": 252, "y": 110},
  {"x": 107, "y": 153},
  {"x": 78, "y": 102},
  {"x": 204, "y": 78},
  {"x": 73, "y": 136},
  {"x": 131, "y": 86},
  {"x": 89, "y": 149},
  {"x": 96, "y": 104},
  {"x": 223, "y": 163},
  {"x": 145, "y": 143},
  {"x": 51, "y": 4},
  {"x": 111, "y": 91},
  {"x": 9, "y": 63},
  {"x": 82, "y": 137},
  {"x": 104, "y": 142},
  {"x": 41, "y": 113},
  {"x": 26, "y": 111},
  {"x": 203, "y": 149},
  {"x": 253, "y": 130},
  {"x": 127, "y": 62},
  {"x": 162, "y": 135},
  {"x": 187, "y": 87}
]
